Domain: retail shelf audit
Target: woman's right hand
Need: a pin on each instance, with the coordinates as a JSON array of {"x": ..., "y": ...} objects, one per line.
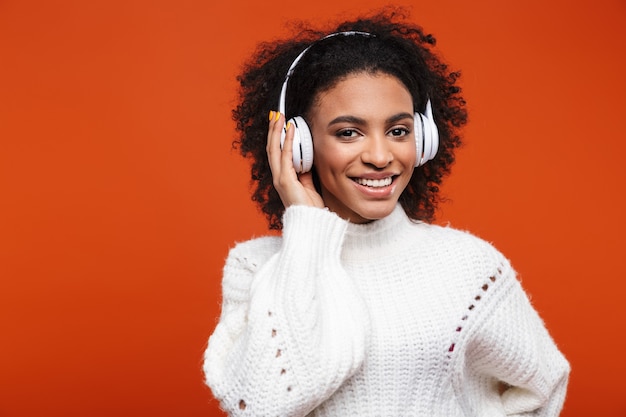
[{"x": 292, "y": 188}]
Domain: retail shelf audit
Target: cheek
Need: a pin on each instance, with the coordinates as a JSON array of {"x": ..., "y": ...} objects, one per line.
[
  {"x": 408, "y": 154},
  {"x": 330, "y": 157}
]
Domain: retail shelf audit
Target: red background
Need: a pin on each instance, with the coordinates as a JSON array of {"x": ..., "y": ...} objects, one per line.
[{"x": 120, "y": 195}]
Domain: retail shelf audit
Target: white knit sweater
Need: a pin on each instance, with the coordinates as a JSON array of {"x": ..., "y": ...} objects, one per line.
[{"x": 391, "y": 318}]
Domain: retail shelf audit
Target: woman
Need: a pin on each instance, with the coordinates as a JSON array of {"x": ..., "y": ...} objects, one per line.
[{"x": 362, "y": 307}]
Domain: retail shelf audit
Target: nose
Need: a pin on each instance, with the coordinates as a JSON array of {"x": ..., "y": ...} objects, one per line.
[{"x": 377, "y": 152}]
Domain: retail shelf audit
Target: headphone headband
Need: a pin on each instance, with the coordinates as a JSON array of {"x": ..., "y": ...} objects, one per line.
[{"x": 292, "y": 67}]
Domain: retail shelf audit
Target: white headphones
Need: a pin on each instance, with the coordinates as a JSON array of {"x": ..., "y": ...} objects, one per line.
[{"x": 426, "y": 132}]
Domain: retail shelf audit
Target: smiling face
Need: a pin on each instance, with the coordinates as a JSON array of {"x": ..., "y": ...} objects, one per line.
[{"x": 364, "y": 145}]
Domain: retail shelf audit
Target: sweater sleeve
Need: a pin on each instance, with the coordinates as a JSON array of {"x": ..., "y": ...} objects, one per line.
[
  {"x": 293, "y": 329},
  {"x": 514, "y": 347}
]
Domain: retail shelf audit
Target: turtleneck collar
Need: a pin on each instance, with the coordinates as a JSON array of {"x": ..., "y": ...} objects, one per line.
[{"x": 378, "y": 236}]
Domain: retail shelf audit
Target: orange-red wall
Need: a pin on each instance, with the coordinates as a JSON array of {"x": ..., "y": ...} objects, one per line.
[{"x": 119, "y": 194}]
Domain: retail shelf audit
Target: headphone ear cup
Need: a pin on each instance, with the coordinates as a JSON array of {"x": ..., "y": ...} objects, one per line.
[
  {"x": 429, "y": 144},
  {"x": 419, "y": 138},
  {"x": 431, "y": 139},
  {"x": 302, "y": 146},
  {"x": 428, "y": 134}
]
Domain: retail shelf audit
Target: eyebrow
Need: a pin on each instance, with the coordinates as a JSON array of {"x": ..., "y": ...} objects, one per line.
[{"x": 360, "y": 121}]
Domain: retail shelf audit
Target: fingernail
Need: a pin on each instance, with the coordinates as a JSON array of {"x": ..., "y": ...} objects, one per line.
[
  {"x": 277, "y": 115},
  {"x": 271, "y": 115},
  {"x": 288, "y": 124}
]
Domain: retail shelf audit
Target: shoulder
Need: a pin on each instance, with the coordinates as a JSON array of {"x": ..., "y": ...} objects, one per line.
[
  {"x": 463, "y": 249},
  {"x": 243, "y": 260},
  {"x": 254, "y": 252},
  {"x": 459, "y": 239}
]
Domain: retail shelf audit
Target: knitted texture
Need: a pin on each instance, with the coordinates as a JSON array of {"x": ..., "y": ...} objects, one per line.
[{"x": 390, "y": 318}]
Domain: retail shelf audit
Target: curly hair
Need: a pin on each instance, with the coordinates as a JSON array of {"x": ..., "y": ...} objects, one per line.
[{"x": 397, "y": 48}]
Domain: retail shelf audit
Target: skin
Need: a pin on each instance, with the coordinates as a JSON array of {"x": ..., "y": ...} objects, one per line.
[{"x": 364, "y": 149}]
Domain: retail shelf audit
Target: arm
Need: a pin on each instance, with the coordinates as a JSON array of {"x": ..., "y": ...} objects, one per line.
[
  {"x": 513, "y": 346},
  {"x": 291, "y": 330}
]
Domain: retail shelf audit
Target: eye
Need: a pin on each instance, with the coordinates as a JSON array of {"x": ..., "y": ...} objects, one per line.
[
  {"x": 399, "y": 132},
  {"x": 347, "y": 133}
]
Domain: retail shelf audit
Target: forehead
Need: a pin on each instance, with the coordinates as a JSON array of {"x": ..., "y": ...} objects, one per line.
[{"x": 364, "y": 93}]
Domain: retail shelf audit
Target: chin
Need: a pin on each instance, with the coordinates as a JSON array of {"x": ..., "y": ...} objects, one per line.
[{"x": 374, "y": 212}]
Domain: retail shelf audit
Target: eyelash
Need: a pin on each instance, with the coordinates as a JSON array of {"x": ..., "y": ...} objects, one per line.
[
  {"x": 346, "y": 133},
  {"x": 351, "y": 133},
  {"x": 404, "y": 131}
]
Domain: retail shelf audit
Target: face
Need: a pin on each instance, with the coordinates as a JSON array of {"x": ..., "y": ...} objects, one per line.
[{"x": 364, "y": 145}]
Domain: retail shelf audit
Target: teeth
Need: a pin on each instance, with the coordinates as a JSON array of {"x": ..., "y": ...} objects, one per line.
[{"x": 374, "y": 183}]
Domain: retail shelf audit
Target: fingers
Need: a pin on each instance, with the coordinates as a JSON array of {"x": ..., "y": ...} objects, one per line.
[
  {"x": 287, "y": 149},
  {"x": 280, "y": 158},
  {"x": 273, "y": 141},
  {"x": 279, "y": 152}
]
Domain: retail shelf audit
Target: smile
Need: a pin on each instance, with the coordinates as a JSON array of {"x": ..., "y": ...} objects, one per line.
[{"x": 383, "y": 182}]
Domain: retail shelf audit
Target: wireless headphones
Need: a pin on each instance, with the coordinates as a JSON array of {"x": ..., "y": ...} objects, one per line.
[{"x": 425, "y": 129}]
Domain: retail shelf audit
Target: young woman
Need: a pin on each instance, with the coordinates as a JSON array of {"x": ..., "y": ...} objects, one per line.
[{"x": 362, "y": 307}]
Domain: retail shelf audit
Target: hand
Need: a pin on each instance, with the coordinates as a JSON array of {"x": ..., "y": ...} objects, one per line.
[{"x": 292, "y": 188}]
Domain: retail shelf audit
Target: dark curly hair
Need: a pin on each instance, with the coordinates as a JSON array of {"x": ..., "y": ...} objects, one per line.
[{"x": 397, "y": 48}]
